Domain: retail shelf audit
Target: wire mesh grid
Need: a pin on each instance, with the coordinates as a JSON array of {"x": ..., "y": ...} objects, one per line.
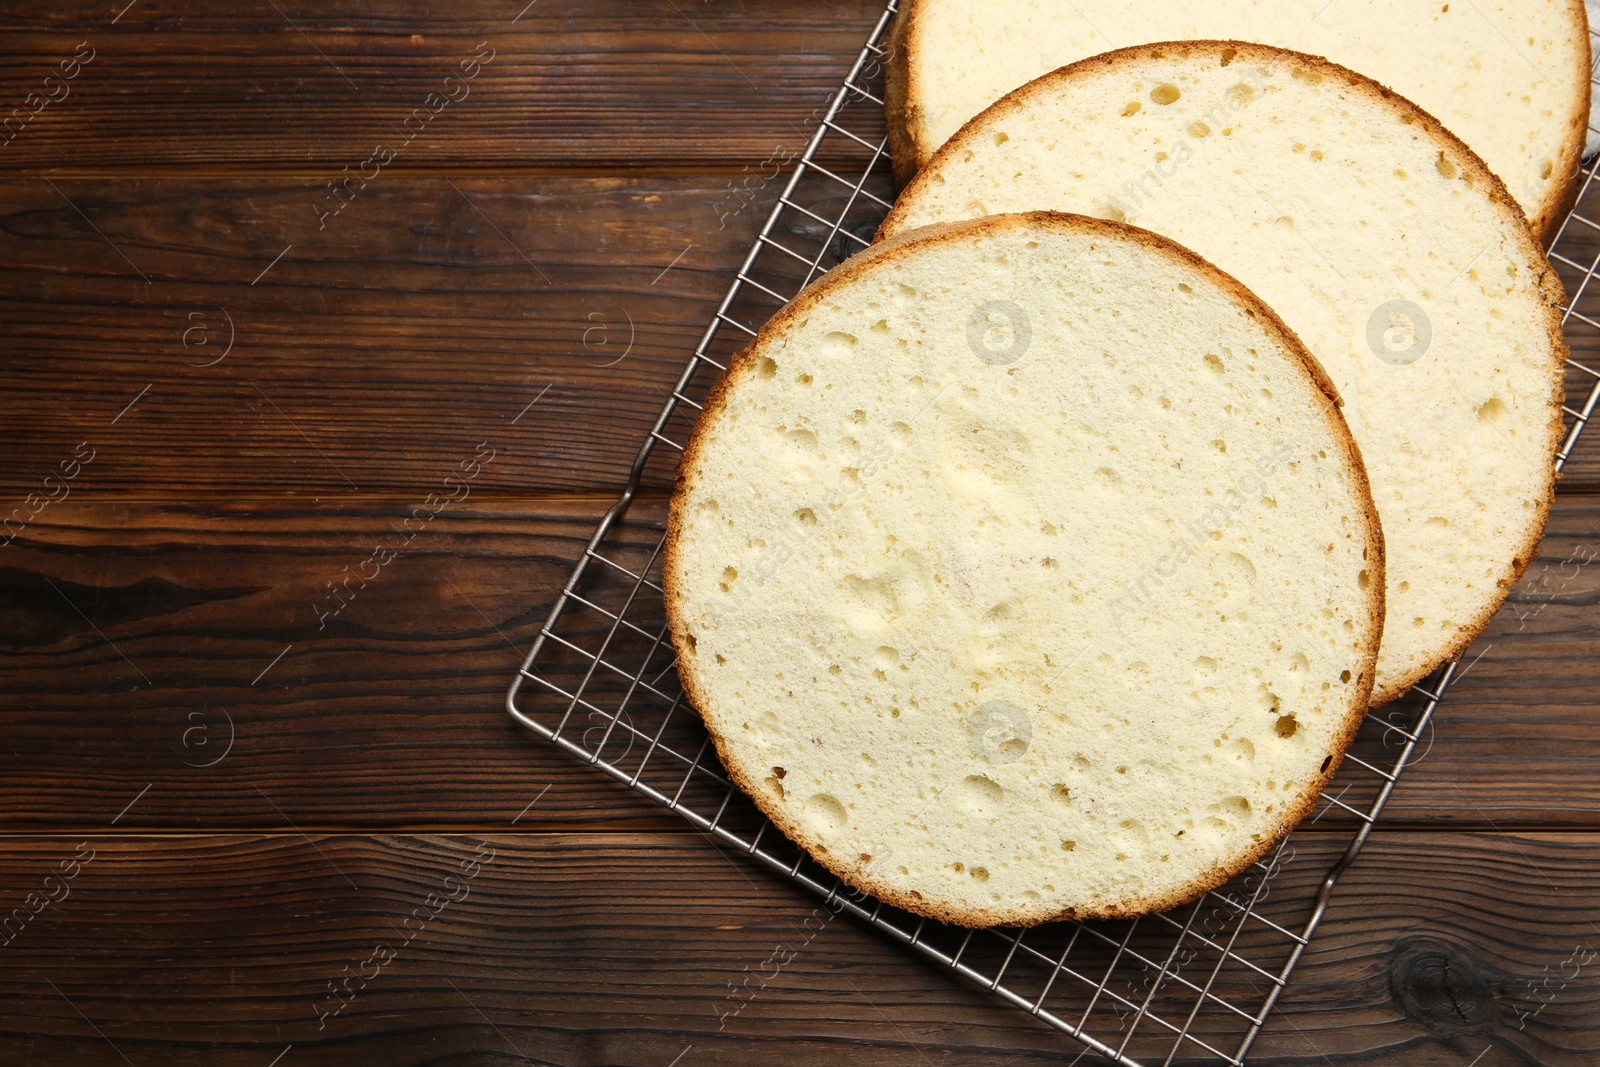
[{"x": 1193, "y": 985}]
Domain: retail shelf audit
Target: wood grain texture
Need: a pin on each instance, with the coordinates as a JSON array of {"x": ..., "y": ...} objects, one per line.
[
  {"x": 368, "y": 344},
  {"x": 311, "y": 87},
  {"x": 388, "y": 711},
  {"x": 619, "y": 949},
  {"x": 266, "y": 350},
  {"x": 424, "y": 316},
  {"x": 141, "y": 639}
]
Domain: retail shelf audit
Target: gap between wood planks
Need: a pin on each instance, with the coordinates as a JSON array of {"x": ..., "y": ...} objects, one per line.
[
  {"x": 603, "y": 498},
  {"x": 676, "y": 828},
  {"x": 299, "y": 172}
]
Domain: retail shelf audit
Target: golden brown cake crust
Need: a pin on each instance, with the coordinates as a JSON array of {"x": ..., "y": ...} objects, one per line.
[
  {"x": 907, "y": 152},
  {"x": 1546, "y": 221}
]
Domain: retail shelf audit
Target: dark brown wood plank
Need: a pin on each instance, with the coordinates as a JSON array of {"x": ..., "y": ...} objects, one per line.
[
  {"x": 1442, "y": 948},
  {"x": 313, "y": 87},
  {"x": 367, "y": 355},
  {"x": 139, "y": 641},
  {"x": 387, "y": 711},
  {"x": 617, "y": 949},
  {"x": 424, "y": 316}
]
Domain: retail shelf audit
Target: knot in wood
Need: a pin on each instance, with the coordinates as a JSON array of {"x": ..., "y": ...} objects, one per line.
[{"x": 1440, "y": 985}]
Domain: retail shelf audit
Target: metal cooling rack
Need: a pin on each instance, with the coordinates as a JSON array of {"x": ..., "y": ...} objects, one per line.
[{"x": 1193, "y": 985}]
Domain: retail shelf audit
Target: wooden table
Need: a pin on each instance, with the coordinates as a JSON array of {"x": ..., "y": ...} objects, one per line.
[{"x": 241, "y": 342}]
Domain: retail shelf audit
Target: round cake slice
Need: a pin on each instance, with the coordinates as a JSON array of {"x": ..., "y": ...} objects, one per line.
[
  {"x": 1511, "y": 78},
  {"x": 1384, "y": 243},
  {"x": 1025, "y": 569}
]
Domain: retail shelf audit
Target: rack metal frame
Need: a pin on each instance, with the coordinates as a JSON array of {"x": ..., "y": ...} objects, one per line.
[{"x": 619, "y": 692}]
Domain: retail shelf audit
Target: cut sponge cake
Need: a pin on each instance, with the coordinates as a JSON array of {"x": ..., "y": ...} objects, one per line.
[
  {"x": 1024, "y": 569},
  {"x": 1510, "y": 77},
  {"x": 1382, "y": 241}
]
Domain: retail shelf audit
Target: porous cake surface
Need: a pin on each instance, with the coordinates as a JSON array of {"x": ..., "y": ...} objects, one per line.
[
  {"x": 1382, "y": 241},
  {"x": 1509, "y": 77},
  {"x": 1025, "y": 568}
]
